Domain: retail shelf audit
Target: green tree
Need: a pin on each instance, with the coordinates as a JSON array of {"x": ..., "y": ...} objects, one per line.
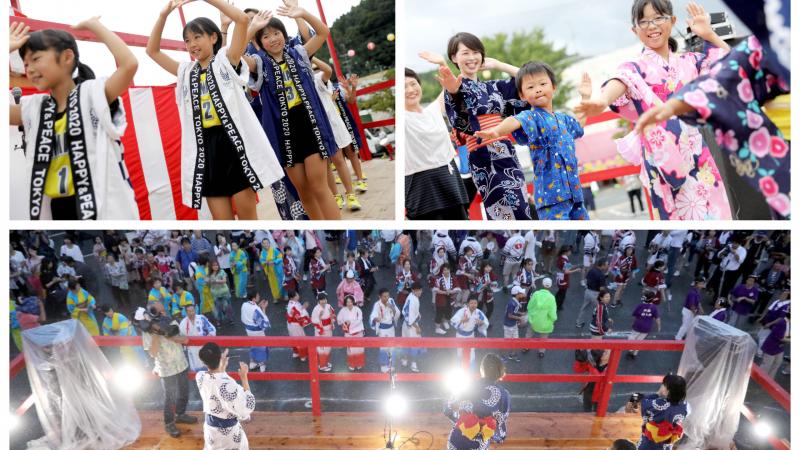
[
  {"x": 517, "y": 49},
  {"x": 382, "y": 100},
  {"x": 369, "y": 21}
]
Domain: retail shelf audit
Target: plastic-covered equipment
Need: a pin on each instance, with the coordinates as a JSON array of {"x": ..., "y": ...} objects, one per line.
[
  {"x": 716, "y": 364},
  {"x": 77, "y": 405}
]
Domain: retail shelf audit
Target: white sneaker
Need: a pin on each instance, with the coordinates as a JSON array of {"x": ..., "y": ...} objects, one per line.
[
  {"x": 583, "y": 283},
  {"x": 677, "y": 273},
  {"x": 404, "y": 362},
  {"x": 446, "y": 325},
  {"x": 440, "y": 330},
  {"x": 414, "y": 367},
  {"x": 253, "y": 365},
  {"x": 669, "y": 296},
  {"x": 384, "y": 369},
  {"x": 262, "y": 367}
]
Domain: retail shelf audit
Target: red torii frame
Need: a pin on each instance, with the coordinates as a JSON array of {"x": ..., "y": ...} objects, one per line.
[
  {"x": 606, "y": 381},
  {"x": 172, "y": 44}
]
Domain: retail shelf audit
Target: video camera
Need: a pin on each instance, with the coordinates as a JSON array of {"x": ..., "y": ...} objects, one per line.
[{"x": 155, "y": 323}]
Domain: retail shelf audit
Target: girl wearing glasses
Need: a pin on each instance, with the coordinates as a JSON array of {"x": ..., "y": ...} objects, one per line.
[{"x": 677, "y": 166}]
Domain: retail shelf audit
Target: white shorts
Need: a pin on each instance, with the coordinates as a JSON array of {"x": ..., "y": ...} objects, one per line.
[{"x": 510, "y": 332}]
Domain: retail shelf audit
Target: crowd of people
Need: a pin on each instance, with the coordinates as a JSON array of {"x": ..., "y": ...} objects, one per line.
[{"x": 373, "y": 283}]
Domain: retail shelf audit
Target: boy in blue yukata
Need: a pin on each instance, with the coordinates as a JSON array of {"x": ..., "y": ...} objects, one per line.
[{"x": 551, "y": 139}]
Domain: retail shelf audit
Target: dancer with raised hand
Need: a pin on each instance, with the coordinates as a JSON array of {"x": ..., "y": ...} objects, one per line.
[
  {"x": 472, "y": 105},
  {"x": 293, "y": 116},
  {"x": 677, "y": 167},
  {"x": 227, "y": 157},
  {"x": 551, "y": 139},
  {"x": 75, "y": 166}
]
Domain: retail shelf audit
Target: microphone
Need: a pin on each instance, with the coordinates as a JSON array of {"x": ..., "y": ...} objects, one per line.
[{"x": 16, "y": 91}]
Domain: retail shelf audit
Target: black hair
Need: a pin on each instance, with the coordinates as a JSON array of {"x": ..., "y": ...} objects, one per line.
[
  {"x": 292, "y": 294},
  {"x": 526, "y": 261},
  {"x": 486, "y": 263},
  {"x": 601, "y": 293},
  {"x": 383, "y": 290},
  {"x": 105, "y": 307},
  {"x": 531, "y": 68},
  {"x": 676, "y": 388},
  {"x": 492, "y": 367},
  {"x": 351, "y": 298},
  {"x": 210, "y": 354},
  {"x": 446, "y": 266},
  {"x": 659, "y": 264},
  {"x": 251, "y": 293},
  {"x": 661, "y": 6},
  {"x": 473, "y": 297},
  {"x": 623, "y": 444},
  {"x": 469, "y": 40},
  {"x": 204, "y": 25},
  {"x": 273, "y": 23},
  {"x": 416, "y": 285},
  {"x": 202, "y": 259},
  {"x": 58, "y": 40},
  {"x": 564, "y": 249},
  {"x": 322, "y": 296},
  {"x": 218, "y": 236},
  {"x": 185, "y": 241},
  {"x": 287, "y": 248},
  {"x": 601, "y": 262},
  {"x": 179, "y": 284},
  {"x": 411, "y": 74},
  {"x": 251, "y": 10}
]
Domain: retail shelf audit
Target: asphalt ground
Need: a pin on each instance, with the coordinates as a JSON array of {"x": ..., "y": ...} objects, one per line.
[{"x": 429, "y": 397}]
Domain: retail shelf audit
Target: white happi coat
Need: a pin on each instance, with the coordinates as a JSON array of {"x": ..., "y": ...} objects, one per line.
[
  {"x": 114, "y": 197},
  {"x": 469, "y": 328},
  {"x": 411, "y": 316},
  {"x": 260, "y": 153},
  {"x": 340, "y": 133},
  {"x": 200, "y": 326},
  {"x": 224, "y": 398},
  {"x": 318, "y": 314},
  {"x": 255, "y": 322},
  {"x": 294, "y": 308},
  {"x": 351, "y": 321},
  {"x": 387, "y": 315}
]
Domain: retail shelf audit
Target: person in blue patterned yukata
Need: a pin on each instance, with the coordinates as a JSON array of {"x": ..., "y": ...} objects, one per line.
[
  {"x": 663, "y": 414},
  {"x": 472, "y": 105},
  {"x": 551, "y": 138},
  {"x": 479, "y": 418}
]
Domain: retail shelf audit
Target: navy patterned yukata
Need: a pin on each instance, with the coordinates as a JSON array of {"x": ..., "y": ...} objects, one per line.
[{"x": 495, "y": 167}]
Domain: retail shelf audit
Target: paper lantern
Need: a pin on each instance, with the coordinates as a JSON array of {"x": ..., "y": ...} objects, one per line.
[
  {"x": 370, "y": 46},
  {"x": 351, "y": 53},
  {"x": 487, "y": 74},
  {"x": 390, "y": 37}
]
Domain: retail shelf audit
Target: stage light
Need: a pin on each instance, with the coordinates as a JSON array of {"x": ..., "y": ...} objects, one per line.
[
  {"x": 13, "y": 421},
  {"x": 128, "y": 378},
  {"x": 763, "y": 429},
  {"x": 396, "y": 405},
  {"x": 456, "y": 380}
]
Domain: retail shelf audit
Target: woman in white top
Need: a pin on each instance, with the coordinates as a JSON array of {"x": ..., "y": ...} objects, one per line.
[
  {"x": 434, "y": 190},
  {"x": 223, "y": 253}
]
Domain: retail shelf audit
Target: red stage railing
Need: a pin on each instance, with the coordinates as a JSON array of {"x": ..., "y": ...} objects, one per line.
[{"x": 606, "y": 381}]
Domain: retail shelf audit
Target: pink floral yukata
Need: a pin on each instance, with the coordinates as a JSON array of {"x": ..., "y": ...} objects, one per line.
[{"x": 677, "y": 167}]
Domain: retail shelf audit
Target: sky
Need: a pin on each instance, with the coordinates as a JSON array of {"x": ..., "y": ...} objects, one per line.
[
  {"x": 585, "y": 27},
  {"x": 138, "y": 17}
]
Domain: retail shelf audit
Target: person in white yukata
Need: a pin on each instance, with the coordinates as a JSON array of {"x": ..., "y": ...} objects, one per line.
[
  {"x": 383, "y": 320},
  {"x": 225, "y": 403},
  {"x": 256, "y": 323},
  {"x": 468, "y": 321},
  {"x": 411, "y": 326},
  {"x": 195, "y": 325}
]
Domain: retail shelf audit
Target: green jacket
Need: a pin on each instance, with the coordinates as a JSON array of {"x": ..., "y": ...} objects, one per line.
[{"x": 542, "y": 311}]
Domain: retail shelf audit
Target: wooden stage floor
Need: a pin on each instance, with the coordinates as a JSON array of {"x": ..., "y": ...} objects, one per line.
[{"x": 270, "y": 430}]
